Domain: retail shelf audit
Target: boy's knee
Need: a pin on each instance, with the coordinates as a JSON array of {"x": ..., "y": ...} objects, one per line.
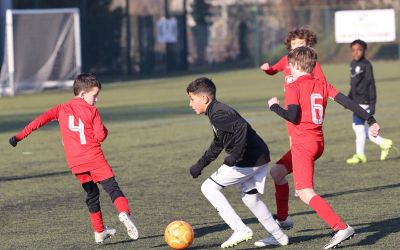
[
  {"x": 278, "y": 172},
  {"x": 250, "y": 199},
  {"x": 209, "y": 186},
  {"x": 110, "y": 185},
  {"x": 92, "y": 198}
]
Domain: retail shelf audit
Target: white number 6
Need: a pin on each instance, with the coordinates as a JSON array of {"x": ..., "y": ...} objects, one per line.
[
  {"x": 80, "y": 128},
  {"x": 317, "y": 108}
]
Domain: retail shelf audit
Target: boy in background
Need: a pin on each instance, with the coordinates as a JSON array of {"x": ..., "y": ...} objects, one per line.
[
  {"x": 295, "y": 38},
  {"x": 82, "y": 131},
  {"x": 306, "y": 99},
  {"x": 245, "y": 165},
  {"x": 363, "y": 92}
]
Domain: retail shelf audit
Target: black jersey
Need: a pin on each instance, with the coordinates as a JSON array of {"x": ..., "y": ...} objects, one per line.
[
  {"x": 236, "y": 136},
  {"x": 363, "y": 90}
]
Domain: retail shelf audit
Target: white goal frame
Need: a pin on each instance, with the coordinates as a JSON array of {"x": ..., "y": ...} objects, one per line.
[{"x": 9, "y": 41}]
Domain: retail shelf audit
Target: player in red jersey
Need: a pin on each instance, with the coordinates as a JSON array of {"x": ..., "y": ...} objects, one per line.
[
  {"x": 82, "y": 131},
  {"x": 306, "y": 100},
  {"x": 295, "y": 38}
]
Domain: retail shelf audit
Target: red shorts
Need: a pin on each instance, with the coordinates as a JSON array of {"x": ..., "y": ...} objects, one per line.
[
  {"x": 99, "y": 174},
  {"x": 286, "y": 160},
  {"x": 303, "y": 157}
]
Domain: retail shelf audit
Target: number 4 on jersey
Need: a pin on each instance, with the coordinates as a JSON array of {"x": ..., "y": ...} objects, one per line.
[{"x": 80, "y": 128}]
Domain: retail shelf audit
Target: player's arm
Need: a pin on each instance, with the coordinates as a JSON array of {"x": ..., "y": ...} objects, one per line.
[
  {"x": 290, "y": 115},
  {"x": 369, "y": 75},
  {"x": 272, "y": 70},
  {"x": 99, "y": 130},
  {"x": 50, "y": 115},
  {"x": 353, "y": 106},
  {"x": 210, "y": 155},
  {"x": 239, "y": 137}
]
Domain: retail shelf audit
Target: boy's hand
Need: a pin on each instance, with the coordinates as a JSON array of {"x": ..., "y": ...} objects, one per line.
[
  {"x": 230, "y": 161},
  {"x": 13, "y": 141},
  {"x": 195, "y": 170},
  {"x": 265, "y": 66},
  {"x": 374, "y": 129},
  {"x": 272, "y": 101}
]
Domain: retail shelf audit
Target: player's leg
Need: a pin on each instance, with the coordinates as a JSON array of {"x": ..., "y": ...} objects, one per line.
[
  {"x": 211, "y": 189},
  {"x": 251, "y": 190},
  {"x": 303, "y": 156},
  {"x": 101, "y": 232},
  {"x": 359, "y": 130},
  {"x": 383, "y": 143},
  {"x": 278, "y": 173},
  {"x": 110, "y": 185},
  {"x": 105, "y": 176}
]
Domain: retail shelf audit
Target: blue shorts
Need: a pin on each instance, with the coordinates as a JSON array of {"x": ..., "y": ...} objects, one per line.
[{"x": 358, "y": 120}]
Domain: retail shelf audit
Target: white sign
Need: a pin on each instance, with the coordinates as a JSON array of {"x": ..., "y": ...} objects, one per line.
[
  {"x": 367, "y": 25},
  {"x": 167, "y": 30}
]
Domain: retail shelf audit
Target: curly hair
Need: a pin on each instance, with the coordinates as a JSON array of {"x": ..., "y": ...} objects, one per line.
[{"x": 301, "y": 33}]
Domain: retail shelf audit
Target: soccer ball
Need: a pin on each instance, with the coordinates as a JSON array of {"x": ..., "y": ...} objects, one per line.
[{"x": 179, "y": 234}]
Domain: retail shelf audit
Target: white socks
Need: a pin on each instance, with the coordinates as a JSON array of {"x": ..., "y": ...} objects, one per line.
[
  {"x": 212, "y": 192},
  {"x": 361, "y": 132},
  {"x": 260, "y": 210}
]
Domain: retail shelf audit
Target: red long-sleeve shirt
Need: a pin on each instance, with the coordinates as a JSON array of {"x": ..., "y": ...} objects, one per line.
[{"x": 81, "y": 129}]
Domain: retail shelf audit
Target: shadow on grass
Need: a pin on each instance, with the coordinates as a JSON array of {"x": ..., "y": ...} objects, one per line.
[{"x": 18, "y": 178}]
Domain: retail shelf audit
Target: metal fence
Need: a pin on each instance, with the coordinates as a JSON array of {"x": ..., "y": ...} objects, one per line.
[{"x": 123, "y": 36}]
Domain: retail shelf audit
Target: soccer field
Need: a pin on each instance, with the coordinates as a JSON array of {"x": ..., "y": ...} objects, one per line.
[{"x": 154, "y": 137}]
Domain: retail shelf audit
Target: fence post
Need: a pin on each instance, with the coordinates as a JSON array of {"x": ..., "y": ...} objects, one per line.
[
  {"x": 257, "y": 56},
  {"x": 128, "y": 38}
]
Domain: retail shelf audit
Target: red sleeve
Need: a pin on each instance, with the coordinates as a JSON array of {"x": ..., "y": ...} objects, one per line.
[
  {"x": 279, "y": 66},
  {"x": 332, "y": 91},
  {"x": 99, "y": 130},
  {"x": 292, "y": 95},
  {"x": 318, "y": 73},
  {"x": 50, "y": 115}
]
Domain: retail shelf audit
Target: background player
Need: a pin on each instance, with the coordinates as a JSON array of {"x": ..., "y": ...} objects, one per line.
[
  {"x": 363, "y": 92},
  {"x": 306, "y": 100},
  {"x": 82, "y": 131},
  {"x": 245, "y": 165}
]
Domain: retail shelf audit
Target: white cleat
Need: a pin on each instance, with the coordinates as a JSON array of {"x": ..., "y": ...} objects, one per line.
[
  {"x": 285, "y": 224},
  {"x": 271, "y": 241},
  {"x": 237, "y": 237},
  {"x": 130, "y": 226},
  {"x": 339, "y": 237},
  {"x": 107, "y": 233}
]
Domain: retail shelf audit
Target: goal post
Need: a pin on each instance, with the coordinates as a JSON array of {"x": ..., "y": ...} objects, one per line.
[{"x": 42, "y": 50}]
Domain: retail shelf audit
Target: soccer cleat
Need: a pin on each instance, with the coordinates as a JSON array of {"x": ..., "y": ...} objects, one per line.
[
  {"x": 356, "y": 159},
  {"x": 271, "y": 241},
  {"x": 385, "y": 148},
  {"x": 286, "y": 224},
  {"x": 339, "y": 237},
  {"x": 130, "y": 226},
  {"x": 237, "y": 237},
  {"x": 107, "y": 233}
]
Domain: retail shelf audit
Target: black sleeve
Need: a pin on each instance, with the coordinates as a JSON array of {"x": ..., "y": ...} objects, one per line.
[
  {"x": 369, "y": 75},
  {"x": 212, "y": 152},
  {"x": 291, "y": 115},
  {"x": 349, "y": 104}
]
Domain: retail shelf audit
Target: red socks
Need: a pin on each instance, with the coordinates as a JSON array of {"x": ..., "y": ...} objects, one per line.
[
  {"x": 326, "y": 213},
  {"x": 121, "y": 203},
  {"x": 282, "y": 201},
  {"x": 97, "y": 221}
]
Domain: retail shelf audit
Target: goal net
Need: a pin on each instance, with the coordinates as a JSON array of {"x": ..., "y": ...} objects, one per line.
[{"x": 42, "y": 50}]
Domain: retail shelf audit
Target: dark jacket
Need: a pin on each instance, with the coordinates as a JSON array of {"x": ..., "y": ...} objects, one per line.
[
  {"x": 363, "y": 90},
  {"x": 236, "y": 136}
]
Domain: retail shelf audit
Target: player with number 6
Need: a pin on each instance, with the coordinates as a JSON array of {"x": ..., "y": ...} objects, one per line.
[
  {"x": 306, "y": 99},
  {"x": 82, "y": 132}
]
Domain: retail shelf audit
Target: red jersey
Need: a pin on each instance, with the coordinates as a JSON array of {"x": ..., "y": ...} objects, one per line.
[
  {"x": 81, "y": 129},
  {"x": 283, "y": 65},
  {"x": 312, "y": 96}
]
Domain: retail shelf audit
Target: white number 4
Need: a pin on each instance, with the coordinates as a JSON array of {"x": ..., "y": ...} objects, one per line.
[
  {"x": 317, "y": 108},
  {"x": 80, "y": 128}
]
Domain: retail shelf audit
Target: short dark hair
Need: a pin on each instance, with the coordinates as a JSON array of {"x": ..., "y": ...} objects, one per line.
[
  {"x": 85, "y": 82},
  {"x": 202, "y": 85},
  {"x": 359, "y": 42},
  {"x": 302, "y": 33},
  {"x": 305, "y": 57}
]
